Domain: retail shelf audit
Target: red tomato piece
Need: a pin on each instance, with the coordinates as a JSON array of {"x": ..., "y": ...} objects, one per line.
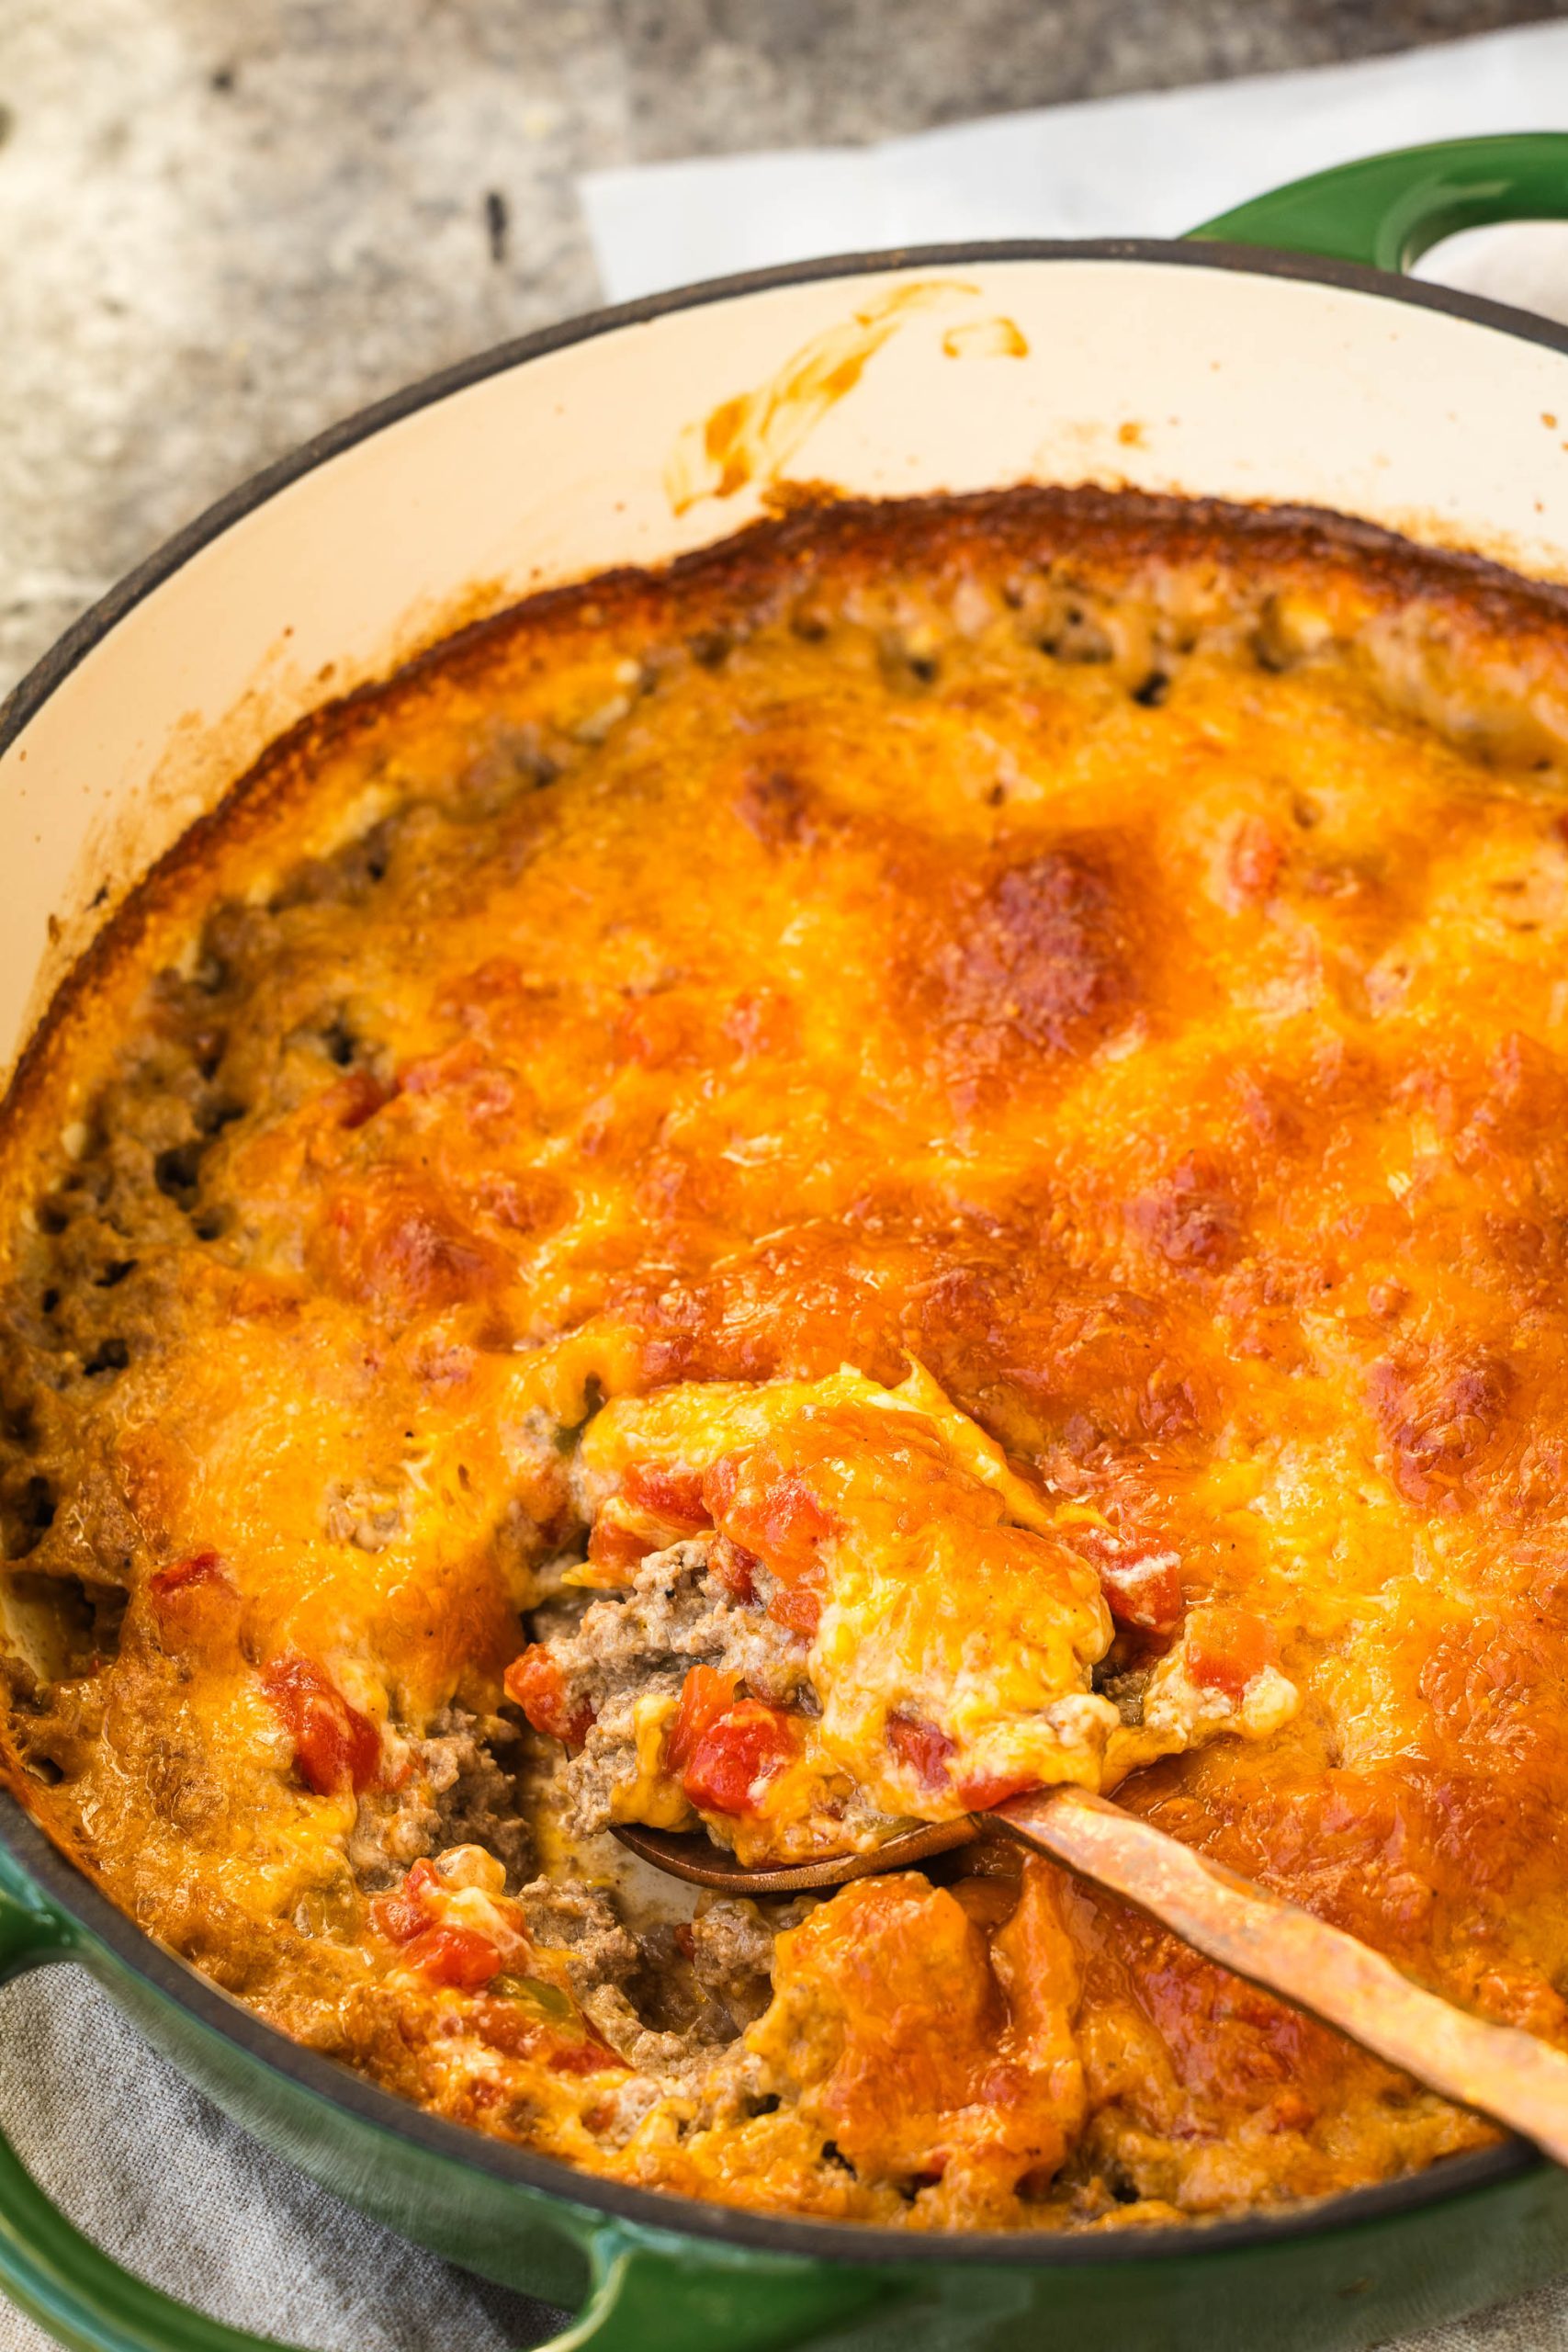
[
  {"x": 988, "y": 1789},
  {"x": 771, "y": 1512},
  {"x": 401, "y": 1915},
  {"x": 776, "y": 1515},
  {"x": 456, "y": 1956},
  {"x": 501, "y": 2025},
  {"x": 589, "y": 2056},
  {"x": 180, "y": 1576},
  {"x": 615, "y": 1548},
  {"x": 733, "y": 1762},
  {"x": 797, "y": 1606},
  {"x": 1146, "y": 1593},
  {"x": 1225, "y": 1649},
  {"x": 335, "y": 1748},
  {"x": 706, "y": 1695},
  {"x": 197, "y": 1606},
  {"x": 534, "y": 1683},
  {"x": 674, "y": 1498},
  {"x": 721, "y": 1482},
  {"x": 924, "y": 1747},
  {"x": 736, "y": 1569}
]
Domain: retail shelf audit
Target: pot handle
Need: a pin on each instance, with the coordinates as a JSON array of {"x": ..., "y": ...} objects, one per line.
[
  {"x": 648, "y": 2292},
  {"x": 646, "y": 2295},
  {"x": 1387, "y": 209},
  {"x": 651, "y": 2293}
]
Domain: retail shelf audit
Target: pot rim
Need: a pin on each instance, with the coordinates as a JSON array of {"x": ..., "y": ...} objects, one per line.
[
  {"x": 70, "y": 1888},
  {"x": 21, "y": 706}
]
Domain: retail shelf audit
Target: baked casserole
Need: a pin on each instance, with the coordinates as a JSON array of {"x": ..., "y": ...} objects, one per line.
[{"x": 924, "y": 1157}]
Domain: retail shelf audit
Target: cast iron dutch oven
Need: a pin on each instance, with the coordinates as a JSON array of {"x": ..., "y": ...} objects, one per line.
[{"x": 1279, "y": 357}]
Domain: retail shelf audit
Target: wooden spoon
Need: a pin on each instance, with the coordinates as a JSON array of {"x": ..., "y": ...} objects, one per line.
[{"x": 1499, "y": 2071}]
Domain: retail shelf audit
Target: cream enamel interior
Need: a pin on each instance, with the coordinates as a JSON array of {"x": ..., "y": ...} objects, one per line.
[{"x": 1184, "y": 378}]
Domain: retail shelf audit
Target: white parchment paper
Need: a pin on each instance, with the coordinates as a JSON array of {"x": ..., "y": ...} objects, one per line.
[{"x": 1153, "y": 165}]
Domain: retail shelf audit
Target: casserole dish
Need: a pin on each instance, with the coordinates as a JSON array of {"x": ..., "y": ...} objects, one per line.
[{"x": 1169, "y": 368}]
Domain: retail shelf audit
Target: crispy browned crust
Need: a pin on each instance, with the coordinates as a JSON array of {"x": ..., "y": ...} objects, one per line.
[{"x": 1100, "y": 537}]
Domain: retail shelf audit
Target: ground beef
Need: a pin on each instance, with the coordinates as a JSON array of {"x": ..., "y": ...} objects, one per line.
[
  {"x": 459, "y": 1793},
  {"x": 671, "y": 1998},
  {"x": 584, "y": 1924},
  {"x": 732, "y": 1958},
  {"x": 627, "y": 1647}
]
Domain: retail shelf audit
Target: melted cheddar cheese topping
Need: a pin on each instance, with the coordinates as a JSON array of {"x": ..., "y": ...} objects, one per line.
[{"x": 930, "y": 1153}]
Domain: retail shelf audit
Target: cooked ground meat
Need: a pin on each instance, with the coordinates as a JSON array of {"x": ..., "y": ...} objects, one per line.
[
  {"x": 732, "y": 1956},
  {"x": 641, "y": 1644},
  {"x": 583, "y": 1921},
  {"x": 457, "y": 1793}
]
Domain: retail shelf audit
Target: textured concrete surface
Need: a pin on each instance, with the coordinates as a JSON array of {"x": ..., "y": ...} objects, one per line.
[{"x": 225, "y": 226}]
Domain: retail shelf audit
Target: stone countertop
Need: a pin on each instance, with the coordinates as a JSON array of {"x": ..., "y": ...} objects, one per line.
[{"x": 223, "y": 227}]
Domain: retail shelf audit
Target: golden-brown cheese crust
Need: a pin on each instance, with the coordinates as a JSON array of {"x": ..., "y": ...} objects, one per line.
[{"x": 1108, "y": 950}]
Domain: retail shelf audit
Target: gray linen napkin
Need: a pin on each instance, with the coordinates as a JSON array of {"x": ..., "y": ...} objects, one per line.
[{"x": 155, "y": 2174}]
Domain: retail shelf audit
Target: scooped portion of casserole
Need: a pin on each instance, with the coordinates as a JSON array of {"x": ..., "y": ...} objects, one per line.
[
  {"x": 840, "y": 1611},
  {"x": 926, "y": 1156}
]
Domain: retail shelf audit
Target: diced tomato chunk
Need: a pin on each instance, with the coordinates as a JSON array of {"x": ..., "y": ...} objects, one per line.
[
  {"x": 735, "y": 1759},
  {"x": 924, "y": 1747},
  {"x": 706, "y": 1695},
  {"x": 771, "y": 1510},
  {"x": 1141, "y": 1581},
  {"x": 505, "y": 2026},
  {"x": 197, "y": 1606},
  {"x": 534, "y": 1683},
  {"x": 589, "y": 2056},
  {"x": 736, "y": 1569},
  {"x": 1225, "y": 1648},
  {"x": 1145, "y": 1592},
  {"x": 988, "y": 1789},
  {"x": 335, "y": 1748},
  {"x": 797, "y": 1606},
  {"x": 615, "y": 1548},
  {"x": 721, "y": 1482},
  {"x": 456, "y": 1956},
  {"x": 674, "y": 1498},
  {"x": 180, "y": 1576},
  {"x": 401, "y": 1915},
  {"x": 772, "y": 1513}
]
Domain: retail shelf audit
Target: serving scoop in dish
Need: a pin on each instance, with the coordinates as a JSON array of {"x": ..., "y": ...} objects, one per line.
[{"x": 1501, "y": 2072}]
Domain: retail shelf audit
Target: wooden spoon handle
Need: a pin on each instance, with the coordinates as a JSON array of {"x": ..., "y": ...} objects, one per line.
[{"x": 1505, "y": 2073}]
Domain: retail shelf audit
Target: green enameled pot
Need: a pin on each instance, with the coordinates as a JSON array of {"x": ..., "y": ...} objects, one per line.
[{"x": 1244, "y": 364}]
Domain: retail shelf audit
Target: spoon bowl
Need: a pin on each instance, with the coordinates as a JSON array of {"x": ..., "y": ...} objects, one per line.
[{"x": 690, "y": 1855}]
